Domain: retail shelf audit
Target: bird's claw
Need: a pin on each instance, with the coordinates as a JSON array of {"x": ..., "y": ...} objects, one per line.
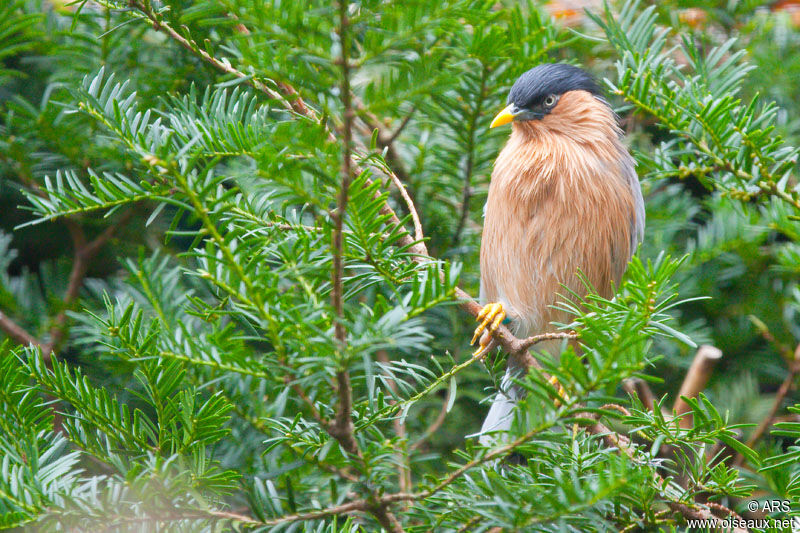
[
  {"x": 490, "y": 318},
  {"x": 559, "y": 390}
]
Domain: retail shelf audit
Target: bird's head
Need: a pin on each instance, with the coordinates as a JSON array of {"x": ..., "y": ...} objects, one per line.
[{"x": 555, "y": 97}]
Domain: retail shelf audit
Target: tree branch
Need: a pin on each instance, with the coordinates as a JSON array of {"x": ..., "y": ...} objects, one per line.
[
  {"x": 16, "y": 332},
  {"x": 435, "y": 425},
  {"x": 83, "y": 254},
  {"x": 386, "y": 140},
  {"x": 358, "y": 505},
  {"x": 623, "y": 445},
  {"x": 145, "y": 9},
  {"x": 342, "y": 427},
  {"x": 418, "y": 235},
  {"x": 794, "y": 369},
  {"x": 639, "y": 388}
]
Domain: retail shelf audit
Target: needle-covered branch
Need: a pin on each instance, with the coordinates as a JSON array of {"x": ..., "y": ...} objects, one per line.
[
  {"x": 342, "y": 427},
  {"x": 695, "y": 381}
]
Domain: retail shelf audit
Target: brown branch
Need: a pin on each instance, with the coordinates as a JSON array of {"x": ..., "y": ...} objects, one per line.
[
  {"x": 350, "y": 507},
  {"x": 418, "y": 235},
  {"x": 180, "y": 514},
  {"x": 639, "y": 388},
  {"x": 726, "y": 510},
  {"x": 83, "y": 254},
  {"x": 615, "y": 407},
  {"x": 388, "y": 141},
  {"x": 783, "y": 390},
  {"x": 783, "y": 349},
  {"x": 308, "y": 401},
  {"x": 160, "y": 25},
  {"x": 695, "y": 381},
  {"x": 436, "y": 424},
  {"x": 525, "y": 344},
  {"x": 358, "y": 505},
  {"x": 342, "y": 428},
  {"x": 623, "y": 445},
  {"x": 16, "y": 332}
]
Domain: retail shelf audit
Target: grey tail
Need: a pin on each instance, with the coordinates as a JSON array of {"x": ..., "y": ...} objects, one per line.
[{"x": 501, "y": 413}]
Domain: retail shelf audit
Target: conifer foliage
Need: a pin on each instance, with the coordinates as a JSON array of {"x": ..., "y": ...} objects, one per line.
[{"x": 239, "y": 259}]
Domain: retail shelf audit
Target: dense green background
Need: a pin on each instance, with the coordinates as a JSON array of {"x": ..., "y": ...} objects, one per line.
[{"x": 436, "y": 74}]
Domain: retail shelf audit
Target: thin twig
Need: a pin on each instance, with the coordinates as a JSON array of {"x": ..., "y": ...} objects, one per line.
[
  {"x": 16, "y": 332},
  {"x": 783, "y": 390},
  {"x": 639, "y": 388},
  {"x": 418, "y": 235},
  {"x": 623, "y": 445},
  {"x": 615, "y": 407},
  {"x": 524, "y": 344},
  {"x": 784, "y": 349},
  {"x": 159, "y": 24},
  {"x": 436, "y": 424},
  {"x": 357, "y": 505},
  {"x": 83, "y": 254},
  {"x": 308, "y": 401},
  {"x": 388, "y": 141}
]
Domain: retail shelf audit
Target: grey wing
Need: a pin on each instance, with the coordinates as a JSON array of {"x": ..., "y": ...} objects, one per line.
[{"x": 637, "y": 223}]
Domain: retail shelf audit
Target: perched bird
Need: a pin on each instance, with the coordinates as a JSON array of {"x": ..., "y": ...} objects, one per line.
[{"x": 564, "y": 198}]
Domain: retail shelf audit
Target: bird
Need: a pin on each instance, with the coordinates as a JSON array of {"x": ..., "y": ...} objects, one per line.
[{"x": 564, "y": 201}]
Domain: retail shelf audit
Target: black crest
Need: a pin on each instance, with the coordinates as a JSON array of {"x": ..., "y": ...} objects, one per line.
[{"x": 551, "y": 78}]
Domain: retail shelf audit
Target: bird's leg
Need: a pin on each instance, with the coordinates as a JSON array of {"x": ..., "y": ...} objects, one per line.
[{"x": 490, "y": 318}]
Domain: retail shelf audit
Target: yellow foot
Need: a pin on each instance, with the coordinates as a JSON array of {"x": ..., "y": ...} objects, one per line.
[
  {"x": 490, "y": 318},
  {"x": 559, "y": 389}
]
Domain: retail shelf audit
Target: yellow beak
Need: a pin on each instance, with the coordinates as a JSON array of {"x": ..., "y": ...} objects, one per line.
[{"x": 503, "y": 117}]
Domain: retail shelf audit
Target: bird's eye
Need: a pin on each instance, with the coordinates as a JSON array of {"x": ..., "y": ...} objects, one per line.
[{"x": 550, "y": 100}]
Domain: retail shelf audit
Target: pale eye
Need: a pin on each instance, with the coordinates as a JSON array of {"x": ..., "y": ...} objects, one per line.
[{"x": 550, "y": 100}]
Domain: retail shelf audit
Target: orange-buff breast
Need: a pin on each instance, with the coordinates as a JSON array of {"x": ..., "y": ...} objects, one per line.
[{"x": 561, "y": 199}]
